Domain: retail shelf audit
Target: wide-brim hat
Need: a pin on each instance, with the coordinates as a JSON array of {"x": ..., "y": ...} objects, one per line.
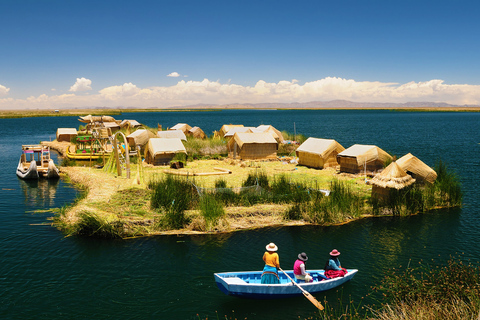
[
  {"x": 303, "y": 256},
  {"x": 334, "y": 253},
  {"x": 271, "y": 247}
]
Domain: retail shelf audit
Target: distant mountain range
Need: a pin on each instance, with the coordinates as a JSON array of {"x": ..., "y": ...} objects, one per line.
[{"x": 334, "y": 104}]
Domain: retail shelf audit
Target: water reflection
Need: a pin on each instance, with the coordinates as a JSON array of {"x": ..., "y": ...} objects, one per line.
[{"x": 39, "y": 192}]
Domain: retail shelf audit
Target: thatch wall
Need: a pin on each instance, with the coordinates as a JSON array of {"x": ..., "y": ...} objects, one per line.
[
  {"x": 252, "y": 146},
  {"x": 66, "y": 134},
  {"x": 359, "y": 158}
]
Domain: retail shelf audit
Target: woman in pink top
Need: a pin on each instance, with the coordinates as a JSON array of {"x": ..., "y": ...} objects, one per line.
[{"x": 299, "y": 268}]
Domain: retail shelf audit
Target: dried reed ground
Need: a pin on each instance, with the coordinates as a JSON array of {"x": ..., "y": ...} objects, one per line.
[{"x": 104, "y": 190}]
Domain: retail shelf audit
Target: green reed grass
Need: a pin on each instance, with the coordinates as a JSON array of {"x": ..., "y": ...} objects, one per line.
[
  {"x": 173, "y": 195},
  {"x": 212, "y": 210}
]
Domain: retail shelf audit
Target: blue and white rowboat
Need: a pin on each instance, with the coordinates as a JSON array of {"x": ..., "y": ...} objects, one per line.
[{"x": 247, "y": 284}]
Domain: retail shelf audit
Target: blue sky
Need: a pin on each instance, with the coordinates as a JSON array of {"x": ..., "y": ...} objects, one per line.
[{"x": 60, "y": 54}]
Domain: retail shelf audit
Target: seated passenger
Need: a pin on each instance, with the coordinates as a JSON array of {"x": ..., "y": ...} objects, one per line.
[
  {"x": 333, "y": 269},
  {"x": 299, "y": 269},
  {"x": 272, "y": 262}
]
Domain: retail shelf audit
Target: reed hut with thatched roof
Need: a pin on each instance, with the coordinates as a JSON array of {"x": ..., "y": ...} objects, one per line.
[
  {"x": 319, "y": 153},
  {"x": 362, "y": 158},
  {"x": 417, "y": 169},
  {"x": 392, "y": 177},
  {"x": 181, "y": 126},
  {"x": 227, "y": 127},
  {"x": 66, "y": 134},
  {"x": 276, "y": 133},
  {"x": 172, "y": 134},
  {"x": 161, "y": 151},
  {"x": 197, "y": 133},
  {"x": 252, "y": 146}
]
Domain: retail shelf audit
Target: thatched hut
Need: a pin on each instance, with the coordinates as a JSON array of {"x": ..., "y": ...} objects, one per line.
[
  {"x": 130, "y": 124},
  {"x": 196, "y": 132},
  {"x": 392, "y": 177},
  {"x": 362, "y": 158},
  {"x": 113, "y": 126},
  {"x": 319, "y": 153},
  {"x": 181, "y": 126},
  {"x": 161, "y": 151},
  {"x": 252, "y": 146},
  {"x": 139, "y": 138},
  {"x": 172, "y": 134},
  {"x": 227, "y": 127},
  {"x": 417, "y": 169},
  {"x": 276, "y": 133},
  {"x": 66, "y": 134}
]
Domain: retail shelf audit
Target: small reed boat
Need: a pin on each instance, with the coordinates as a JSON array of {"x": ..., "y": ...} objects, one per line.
[
  {"x": 35, "y": 162},
  {"x": 247, "y": 284}
]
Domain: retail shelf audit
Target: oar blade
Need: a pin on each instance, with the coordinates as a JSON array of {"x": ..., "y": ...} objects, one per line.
[{"x": 313, "y": 300}]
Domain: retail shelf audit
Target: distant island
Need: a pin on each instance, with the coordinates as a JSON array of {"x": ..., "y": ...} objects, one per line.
[{"x": 312, "y": 105}]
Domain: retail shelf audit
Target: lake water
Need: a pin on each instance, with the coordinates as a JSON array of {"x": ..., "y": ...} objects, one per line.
[{"x": 44, "y": 275}]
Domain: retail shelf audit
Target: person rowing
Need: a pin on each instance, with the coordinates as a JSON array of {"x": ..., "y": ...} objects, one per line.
[{"x": 272, "y": 263}]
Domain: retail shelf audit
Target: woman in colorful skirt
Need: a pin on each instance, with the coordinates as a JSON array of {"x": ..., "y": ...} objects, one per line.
[
  {"x": 272, "y": 262},
  {"x": 333, "y": 268}
]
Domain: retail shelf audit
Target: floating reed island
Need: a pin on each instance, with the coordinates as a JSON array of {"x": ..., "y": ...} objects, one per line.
[{"x": 141, "y": 181}]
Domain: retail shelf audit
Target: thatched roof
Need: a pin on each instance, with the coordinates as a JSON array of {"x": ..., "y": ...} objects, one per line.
[
  {"x": 131, "y": 123},
  {"x": 171, "y": 134},
  {"x": 365, "y": 153},
  {"x": 242, "y": 129},
  {"x": 158, "y": 146},
  {"x": 181, "y": 126},
  {"x": 412, "y": 164},
  {"x": 321, "y": 147},
  {"x": 268, "y": 128},
  {"x": 197, "y": 132},
  {"x": 392, "y": 177},
  {"x": 139, "y": 137},
  {"x": 226, "y": 127},
  {"x": 242, "y": 138}
]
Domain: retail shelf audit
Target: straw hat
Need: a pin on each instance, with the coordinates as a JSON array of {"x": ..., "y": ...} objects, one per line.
[
  {"x": 271, "y": 247},
  {"x": 334, "y": 253},
  {"x": 303, "y": 256}
]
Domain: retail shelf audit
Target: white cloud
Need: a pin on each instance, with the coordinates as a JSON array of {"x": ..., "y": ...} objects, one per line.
[
  {"x": 173, "y": 75},
  {"x": 3, "y": 90},
  {"x": 191, "y": 92},
  {"x": 82, "y": 84}
]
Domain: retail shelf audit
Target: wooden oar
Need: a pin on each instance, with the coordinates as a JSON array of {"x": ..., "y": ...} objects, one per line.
[{"x": 305, "y": 292}]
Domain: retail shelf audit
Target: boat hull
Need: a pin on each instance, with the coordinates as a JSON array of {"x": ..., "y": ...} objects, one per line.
[
  {"x": 27, "y": 173},
  {"x": 247, "y": 284}
]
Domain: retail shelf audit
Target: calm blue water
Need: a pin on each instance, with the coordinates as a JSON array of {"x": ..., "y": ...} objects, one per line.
[{"x": 44, "y": 275}]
